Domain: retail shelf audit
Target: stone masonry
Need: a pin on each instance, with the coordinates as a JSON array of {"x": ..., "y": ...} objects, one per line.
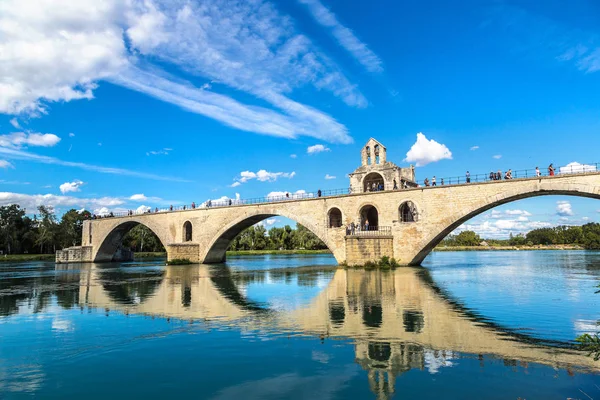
[{"x": 439, "y": 210}]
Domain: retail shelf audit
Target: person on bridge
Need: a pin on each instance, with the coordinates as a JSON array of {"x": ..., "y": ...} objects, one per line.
[
  {"x": 537, "y": 172},
  {"x": 498, "y": 175},
  {"x": 492, "y": 176},
  {"x": 156, "y": 210},
  {"x": 551, "y": 170},
  {"x": 433, "y": 183},
  {"x": 352, "y": 227},
  {"x": 442, "y": 181},
  {"x": 426, "y": 181},
  {"x": 171, "y": 207},
  {"x": 230, "y": 202},
  {"x": 366, "y": 224},
  {"x": 395, "y": 184},
  {"x": 374, "y": 187},
  {"x": 319, "y": 193},
  {"x": 209, "y": 203},
  {"x": 508, "y": 174},
  {"x": 193, "y": 205},
  {"x": 468, "y": 176}
]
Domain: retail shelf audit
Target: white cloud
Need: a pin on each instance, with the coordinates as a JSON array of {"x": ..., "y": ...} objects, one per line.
[
  {"x": 15, "y": 123},
  {"x": 502, "y": 228},
  {"x": 138, "y": 197},
  {"x": 576, "y": 167},
  {"x": 19, "y": 139},
  {"x": 497, "y": 156},
  {"x": 518, "y": 212},
  {"x": 32, "y": 201},
  {"x": 164, "y": 151},
  {"x": 71, "y": 134},
  {"x": 142, "y": 209},
  {"x": 426, "y": 151},
  {"x": 262, "y": 176},
  {"x": 24, "y": 155},
  {"x": 344, "y": 36},
  {"x": 55, "y": 50},
  {"x": 298, "y": 194},
  {"x": 293, "y": 156},
  {"x": 317, "y": 148},
  {"x": 474, "y": 148},
  {"x": 563, "y": 208},
  {"x": 74, "y": 186},
  {"x": 5, "y": 164},
  {"x": 268, "y": 222},
  {"x": 327, "y": 176},
  {"x": 58, "y": 50}
]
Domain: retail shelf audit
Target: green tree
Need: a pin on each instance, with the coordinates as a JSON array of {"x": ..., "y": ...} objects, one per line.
[
  {"x": 47, "y": 230},
  {"x": 141, "y": 238},
  {"x": 71, "y": 227}
]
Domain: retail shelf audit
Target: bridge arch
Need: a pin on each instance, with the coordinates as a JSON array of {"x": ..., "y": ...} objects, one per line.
[
  {"x": 112, "y": 240},
  {"x": 461, "y": 216},
  {"x": 216, "y": 250}
]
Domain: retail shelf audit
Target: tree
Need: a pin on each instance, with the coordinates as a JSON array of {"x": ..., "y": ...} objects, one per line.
[
  {"x": 141, "y": 238},
  {"x": 71, "y": 227},
  {"x": 47, "y": 229}
]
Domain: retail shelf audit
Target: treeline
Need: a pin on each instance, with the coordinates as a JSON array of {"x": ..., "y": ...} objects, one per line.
[
  {"x": 587, "y": 236},
  {"x": 42, "y": 234},
  {"x": 258, "y": 238}
]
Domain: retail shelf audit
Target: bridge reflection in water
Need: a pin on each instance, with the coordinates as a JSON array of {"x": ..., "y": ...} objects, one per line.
[{"x": 397, "y": 319}]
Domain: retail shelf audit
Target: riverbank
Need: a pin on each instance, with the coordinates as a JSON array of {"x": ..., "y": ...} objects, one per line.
[
  {"x": 26, "y": 257},
  {"x": 509, "y": 248},
  {"x": 274, "y": 252}
]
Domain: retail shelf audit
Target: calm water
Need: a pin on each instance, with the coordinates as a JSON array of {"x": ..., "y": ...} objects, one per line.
[{"x": 467, "y": 325}]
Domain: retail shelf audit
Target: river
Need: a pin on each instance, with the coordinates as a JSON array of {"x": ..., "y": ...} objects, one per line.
[{"x": 494, "y": 325}]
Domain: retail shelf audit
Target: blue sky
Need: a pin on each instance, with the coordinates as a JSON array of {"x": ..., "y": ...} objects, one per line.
[{"x": 108, "y": 104}]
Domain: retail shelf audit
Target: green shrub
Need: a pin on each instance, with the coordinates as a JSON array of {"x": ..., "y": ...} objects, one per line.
[
  {"x": 179, "y": 261},
  {"x": 591, "y": 344}
]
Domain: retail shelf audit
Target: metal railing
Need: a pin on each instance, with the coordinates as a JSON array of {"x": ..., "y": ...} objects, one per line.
[
  {"x": 453, "y": 180},
  {"x": 369, "y": 231}
]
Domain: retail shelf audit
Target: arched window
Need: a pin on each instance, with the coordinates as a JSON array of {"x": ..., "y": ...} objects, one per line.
[
  {"x": 373, "y": 182},
  {"x": 376, "y": 154},
  {"x": 335, "y": 218},
  {"x": 368, "y": 150},
  {"x": 408, "y": 212},
  {"x": 187, "y": 231},
  {"x": 369, "y": 218}
]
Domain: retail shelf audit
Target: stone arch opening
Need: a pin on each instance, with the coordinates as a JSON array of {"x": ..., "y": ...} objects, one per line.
[
  {"x": 112, "y": 248},
  {"x": 369, "y": 218},
  {"x": 408, "y": 212},
  {"x": 187, "y": 231},
  {"x": 373, "y": 182},
  {"x": 217, "y": 249},
  {"x": 376, "y": 151},
  {"x": 335, "y": 218},
  {"x": 429, "y": 243}
]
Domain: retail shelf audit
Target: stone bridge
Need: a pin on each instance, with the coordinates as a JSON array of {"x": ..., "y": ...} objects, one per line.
[{"x": 408, "y": 223}]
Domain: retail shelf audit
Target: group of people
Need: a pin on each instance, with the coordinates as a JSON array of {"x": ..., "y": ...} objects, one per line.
[
  {"x": 493, "y": 176},
  {"x": 352, "y": 228}
]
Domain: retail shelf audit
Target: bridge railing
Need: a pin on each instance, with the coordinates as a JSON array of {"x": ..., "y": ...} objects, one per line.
[
  {"x": 571, "y": 169},
  {"x": 369, "y": 231}
]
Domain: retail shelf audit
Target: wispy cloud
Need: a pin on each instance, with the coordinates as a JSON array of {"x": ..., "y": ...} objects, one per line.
[
  {"x": 15, "y": 123},
  {"x": 5, "y": 164},
  {"x": 17, "y": 154},
  {"x": 328, "y": 177},
  {"x": 250, "y": 47},
  {"x": 317, "y": 148},
  {"x": 344, "y": 36},
  {"x": 474, "y": 148},
  {"x": 497, "y": 156},
  {"x": 293, "y": 156},
  {"x": 426, "y": 151},
  {"x": 32, "y": 201},
  {"x": 164, "y": 152}
]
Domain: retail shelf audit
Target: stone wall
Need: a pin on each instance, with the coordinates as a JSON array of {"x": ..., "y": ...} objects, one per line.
[
  {"x": 74, "y": 254},
  {"x": 360, "y": 249},
  {"x": 189, "y": 251}
]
